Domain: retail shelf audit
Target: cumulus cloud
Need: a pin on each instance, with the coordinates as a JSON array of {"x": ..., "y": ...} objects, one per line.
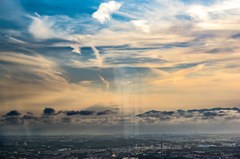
[
  {"x": 105, "y": 11},
  {"x": 51, "y": 116},
  {"x": 49, "y": 111},
  {"x": 13, "y": 113},
  {"x": 111, "y": 117},
  {"x": 91, "y": 111},
  {"x": 193, "y": 114}
]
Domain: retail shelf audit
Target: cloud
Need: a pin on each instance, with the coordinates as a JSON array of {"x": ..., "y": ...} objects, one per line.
[
  {"x": 72, "y": 112},
  {"x": 49, "y": 111},
  {"x": 13, "y": 113},
  {"x": 86, "y": 112},
  {"x": 82, "y": 112},
  {"x": 106, "y": 112},
  {"x": 105, "y": 11},
  {"x": 29, "y": 117},
  {"x": 103, "y": 107},
  {"x": 162, "y": 20},
  {"x": 98, "y": 60},
  {"x": 45, "y": 83},
  {"x": 142, "y": 25},
  {"x": 236, "y": 36},
  {"x": 36, "y": 61},
  {"x": 13, "y": 120},
  {"x": 175, "y": 38},
  {"x": 41, "y": 28},
  {"x": 193, "y": 114},
  {"x": 209, "y": 115},
  {"x": 153, "y": 121},
  {"x": 15, "y": 40},
  {"x": 34, "y": 74},
  {"x": 104, "y": 81},
  {"x": 76, "y": 48}
]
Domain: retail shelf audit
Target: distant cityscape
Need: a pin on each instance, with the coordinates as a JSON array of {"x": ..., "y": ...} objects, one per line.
[{"x": 193, "y": 146}]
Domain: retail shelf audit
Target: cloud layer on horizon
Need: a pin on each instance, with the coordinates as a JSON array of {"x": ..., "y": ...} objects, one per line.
[{"x": 110, "y": 116}]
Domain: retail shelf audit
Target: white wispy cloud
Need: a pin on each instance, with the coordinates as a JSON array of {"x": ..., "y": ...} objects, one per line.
[
  {"x": 44, "y": 83},
  {"x": 141, "y": 25},
  {"x": 15, "y": 40},
  {"x": 161, "y": 27},
  {"x": 98, "y": 60},
  {"x": 168, "y": 34},
  {"x": 76, "y": 48},
  {"x": 47, "y": 27},
  {"x": 41, "y": 28},
  {"x": 105, "y": 11},
  {"x": 104, "y": 81}
]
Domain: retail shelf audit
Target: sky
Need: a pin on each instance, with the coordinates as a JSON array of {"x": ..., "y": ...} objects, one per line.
[{"x": 119, "y": 57}]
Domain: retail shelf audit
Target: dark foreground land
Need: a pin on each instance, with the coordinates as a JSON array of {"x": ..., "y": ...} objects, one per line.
[{"x": 121, "y": 147}]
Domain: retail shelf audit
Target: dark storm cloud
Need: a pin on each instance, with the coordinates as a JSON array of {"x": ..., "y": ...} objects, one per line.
[
  {"x": 86, "y": 112},
  {"x": 29, "y": 117},
  {"x": 13, "y": 113},
  {"x": 82, "y": 112},
  {"x": 106, "y": 112},
  {"x": 49, "y": 111},
  {"x": 51, "y": 116},
  {"x": 14, "y": 118},
  {"x": 72, "y": 112}
]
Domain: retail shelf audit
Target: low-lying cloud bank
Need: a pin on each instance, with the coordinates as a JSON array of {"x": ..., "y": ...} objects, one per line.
[
  {"x": 194, "y": 114},
  {"x": 114, "y": 117}
]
